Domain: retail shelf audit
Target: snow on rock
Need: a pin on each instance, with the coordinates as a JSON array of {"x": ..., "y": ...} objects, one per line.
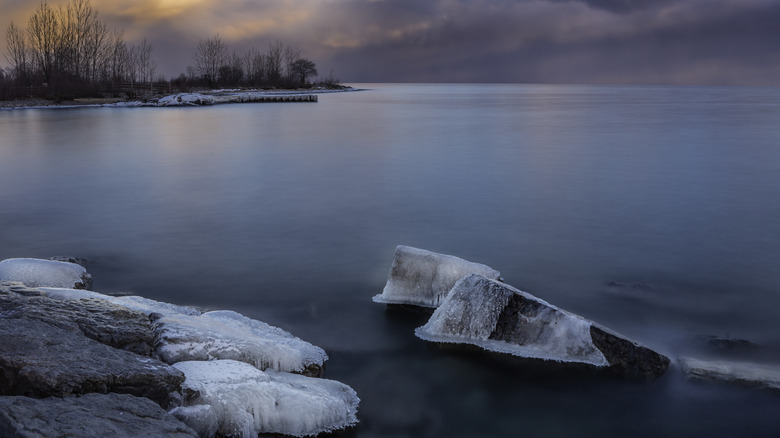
[
  {"x": 742, "y": 373},
  {"x": 497, "y": 317},
  {"x": 246, "y": 401},
  {"x": 225, "y": 334},
  {"x": 422, "y": 278},
  {"x": 45, "y": 273},
  {"x": 186, "y": 99}
]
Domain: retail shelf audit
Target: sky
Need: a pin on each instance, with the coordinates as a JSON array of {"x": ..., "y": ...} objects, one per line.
[{"x": 686, "y": 42}]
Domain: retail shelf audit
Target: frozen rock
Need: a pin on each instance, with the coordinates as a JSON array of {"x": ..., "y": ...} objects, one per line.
[
  {"x": 88, "y": 416},
  {"x": 40, "y": 360},
  {"x": 45, "y": 273},
  {"x": 742, "y": 373},
  {"x": 423, "y": 278},
  {"x": 147, "y": 306},
  {"x": 186, "y": 99},
  {"x": 132, "y": 302},
  {"x": 497, "y": 317},
  {"x": 225, "y": 334},
  {"x": 246, "y": 401},
  {"x": 98, "y": 319}
]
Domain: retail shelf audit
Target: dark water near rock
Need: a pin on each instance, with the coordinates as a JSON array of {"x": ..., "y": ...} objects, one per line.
[{"x": 652, "y": 210}]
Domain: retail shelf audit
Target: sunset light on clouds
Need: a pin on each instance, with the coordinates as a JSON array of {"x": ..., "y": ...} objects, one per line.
[{"x": 548, "y": 41}]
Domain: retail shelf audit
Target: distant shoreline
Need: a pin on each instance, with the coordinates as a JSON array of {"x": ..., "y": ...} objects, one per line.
[{"x": 213, "y": 97}]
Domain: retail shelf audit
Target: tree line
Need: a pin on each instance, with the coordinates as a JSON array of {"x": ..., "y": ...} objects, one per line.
[
  {"x": 69, "y": 47},
  {"x": 68, "y": 50},
  {"x": 279, "y": 66}
]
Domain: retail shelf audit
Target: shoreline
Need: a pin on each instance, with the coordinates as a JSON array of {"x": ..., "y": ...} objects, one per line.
[{"x": 195, "y": 98}]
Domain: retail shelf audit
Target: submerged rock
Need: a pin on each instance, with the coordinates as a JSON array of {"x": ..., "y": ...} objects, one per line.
[
  {"x": 497, "y": 317},
  {"x": 423, "y": 278},
  {"x": 741, "y": 373},
  {"x": 244, "y": 401},
  {"x": 88, "y": 416},
  {"x": 45, "y": 273},
  {"x": 229, "y": 335}
]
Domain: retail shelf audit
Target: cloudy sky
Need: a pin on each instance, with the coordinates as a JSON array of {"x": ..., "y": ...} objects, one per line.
[{"x": 725, "y": 42}]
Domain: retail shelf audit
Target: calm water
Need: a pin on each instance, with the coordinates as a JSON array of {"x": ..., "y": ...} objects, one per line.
[{"x": 290, "y": 213}]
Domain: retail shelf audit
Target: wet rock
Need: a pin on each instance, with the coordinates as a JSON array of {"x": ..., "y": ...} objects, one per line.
[
  {"x": 92, "y": 415},
  {"x": 107, "y": 323},
  {"x": 81, "y": 261},
  {"x": 741, "y": 373},
  {"x": 423, "y": 278},
  {"x": 41, "y": 360},
  {"x": 45, "y": 273},
  {"x": 497, "y": 317}
]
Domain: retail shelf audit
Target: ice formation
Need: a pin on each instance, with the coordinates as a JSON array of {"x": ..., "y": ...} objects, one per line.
[
  {"x": 45, "y": 273},
  {"x": 132, "y": 302},
  {"x": 225, "y": 334},
  {"x": 497, "y": 317},
  {"x": 244, "y": 401},
  {"x": 184, "y": 99},
  {"x": 423, "y": 278}
]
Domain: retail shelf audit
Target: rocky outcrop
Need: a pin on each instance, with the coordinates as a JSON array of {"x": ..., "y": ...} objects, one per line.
[
  {"x": 100, "y": 320},
  {"x": 497, "y": 317},
  {"x": 41, "y": 360},
  {"x": 749, "y": 374},
  {"x": 88, "y": 416},
  {"x": 423, "y": 278},
  {"x": 45, "y": 273}
]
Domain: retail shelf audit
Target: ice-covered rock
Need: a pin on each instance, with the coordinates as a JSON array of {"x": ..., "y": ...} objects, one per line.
[
  {"x": 742, "y": 373},
  {"x": 45, "y": 273},
  {"x": 423, "y": 278},
  {"x": 246, "y": 401},
  {"x": 88, "y": 416},
  {"x": 497, "y": 317},
  {"x": 133, "y": 302},
  {"x": 186, "y": 99},
  {"x": 225, "y": 334},
  {"x": 148, "y": 306}
]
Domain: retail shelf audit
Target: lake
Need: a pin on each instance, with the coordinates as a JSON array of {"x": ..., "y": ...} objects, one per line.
[{"x": 652, "y": 210}]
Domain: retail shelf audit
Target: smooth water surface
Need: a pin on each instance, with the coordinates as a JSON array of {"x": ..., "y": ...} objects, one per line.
[{"x": 652, "y": 210}]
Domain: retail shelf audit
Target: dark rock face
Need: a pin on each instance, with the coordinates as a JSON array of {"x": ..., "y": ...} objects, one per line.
[
  {"x": 627, "y": 356},
  {"x": 41, "y": 360},
  {"x": 92, "y": 415},
  {"x": 100, "y": 320}
]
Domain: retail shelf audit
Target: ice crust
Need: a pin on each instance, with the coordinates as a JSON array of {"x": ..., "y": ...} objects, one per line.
[
  {"x": 132, "y": 302},
  {"x": 471, "y": 312},
  {"x": 43, "y": 273},
  {"x": 186, "y": 99},
  {"x": 423, "y": 278},
  {"x": 245, "y": 401},
  {"x": 226, "y": 334}
]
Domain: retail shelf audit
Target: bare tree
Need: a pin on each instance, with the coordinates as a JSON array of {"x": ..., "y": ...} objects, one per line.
[
  {"x": 43, "y": 39},
  {"x": 209, "y": 57},
  {"x": 17, "y": 53},
  {"x": 273, "y": 62},
  {"x": 301, "y": 69}
]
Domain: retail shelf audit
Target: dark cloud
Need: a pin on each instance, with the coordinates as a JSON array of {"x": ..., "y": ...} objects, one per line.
[{"x": 574, "y": 41}]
